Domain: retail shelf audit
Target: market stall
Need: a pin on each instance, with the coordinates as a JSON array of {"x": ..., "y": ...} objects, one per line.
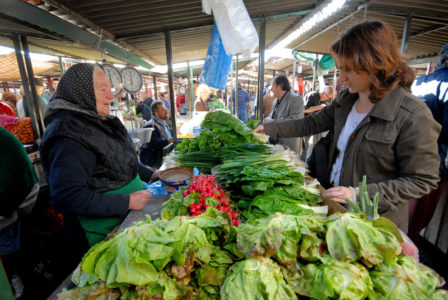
[{"x": 256, "y": 229}]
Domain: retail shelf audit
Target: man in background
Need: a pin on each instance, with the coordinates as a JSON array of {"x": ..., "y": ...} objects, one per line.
[
  {"x": 243, "y": 102},
  {"x": 54, "y": 87},
  {"x": 315, "y": 101},
  {"x": 144, "y": 108},
  {"x": 166, "y": 102},
  {"x": 42, "y": 99},
  {"x": 433, "y": 89},
  {"x": 152, "y": 153},
  {"x": 287, "y": 105}
]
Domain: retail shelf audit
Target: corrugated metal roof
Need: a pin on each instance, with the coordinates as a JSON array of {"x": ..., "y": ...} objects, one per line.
[{"x": 139, "y": 25}]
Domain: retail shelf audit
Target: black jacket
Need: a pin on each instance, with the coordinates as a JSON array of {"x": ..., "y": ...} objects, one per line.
[{"x": 151, "y": 154}]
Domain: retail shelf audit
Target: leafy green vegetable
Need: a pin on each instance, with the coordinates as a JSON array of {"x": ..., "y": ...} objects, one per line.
[
  {"x": 256, "y": 278},
  {"x": 136, "y": 255},
  {"x": 332, "y": 279},
  {"x": 277, "y": 236},
  {"x": 225, "y": 122},
  {"x": 350, "y": 238},
  {"x": 252, "y": 124},
  {"x": 175, "y": 206},
  {"x": 403, "y": 277},
  {"x": 215, "y": 104},
  {"x": 94, "y": 291}
]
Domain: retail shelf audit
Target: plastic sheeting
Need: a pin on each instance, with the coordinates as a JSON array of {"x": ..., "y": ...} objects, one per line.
[
  {"x": 217, "y": 63},
  {"x": 235, "y": 26}
]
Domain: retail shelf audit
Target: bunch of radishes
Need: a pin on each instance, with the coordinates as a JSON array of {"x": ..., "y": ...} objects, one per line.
[{"x": 206, "y": 192}]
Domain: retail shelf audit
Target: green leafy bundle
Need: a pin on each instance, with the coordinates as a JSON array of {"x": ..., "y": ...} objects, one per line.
[
  {"x": 350, "y": 237},
  {"x": 282, "y": 237},
  {"x": 266, "y": 184},
  {"x": 215, "y": 104},
  {"x": 402, "y": 277},
  {"x": 218, "y": 129},
  {"x": 169, "y": 259},
  {"x": 332, "y": 279},
  {"x": 256, "y": 278}
]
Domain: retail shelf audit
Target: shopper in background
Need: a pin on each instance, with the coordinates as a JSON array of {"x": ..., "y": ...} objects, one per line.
[
  {"x": 243, "y": 102},
  {"x": 5, "y": 109},
  {"x": 287, "y": 106},
  {"x": 316, "y": 100},
  {"x": 152, "y": 153},
  {"x": 433, "y": 89},
  {"x": 42, "y": 99},
  {"x": 165, "y": 100},
  {"x": 54, "y": 87},
  {"x": 11, "y": 100},
  {"x": 89, "y": 160},
  {"x": 202, "y": 96},
  {"x": 20, "y": 108},
  {"x": 268, "y": 102},
  {"x": 144, "y": 107},
  {"x": 377, "y": 125}
]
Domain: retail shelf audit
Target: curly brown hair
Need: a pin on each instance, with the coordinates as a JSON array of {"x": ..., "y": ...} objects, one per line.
[{"x": 373, "y": 47}]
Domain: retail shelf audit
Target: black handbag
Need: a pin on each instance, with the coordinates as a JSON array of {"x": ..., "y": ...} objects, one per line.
[{"x": 318, "y": 164}]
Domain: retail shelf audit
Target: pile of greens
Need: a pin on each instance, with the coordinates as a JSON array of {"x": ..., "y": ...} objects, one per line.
[
  {"x": 219, "y": 129},
  {"x": 343, "y": 256},
  {"x": 264, "y": 184},
  {"x": 215, "y": 104},
  {"x": 182, "y": 257}
]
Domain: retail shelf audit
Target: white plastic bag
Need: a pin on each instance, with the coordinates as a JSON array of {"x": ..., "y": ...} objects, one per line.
[{"x": 235, "y": 27}]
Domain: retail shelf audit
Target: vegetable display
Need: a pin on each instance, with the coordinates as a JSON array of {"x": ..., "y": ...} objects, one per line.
[
  {"x": 215, "y": 104},
  {"x": 218, "y": 129},
  {"x": 279, "y": 257},
  {"x": 285, "y": 248},
  {"x": 256, "y": 278},
  {"x": 158, "y": 259},
  {"x": 193, "y": 200}
]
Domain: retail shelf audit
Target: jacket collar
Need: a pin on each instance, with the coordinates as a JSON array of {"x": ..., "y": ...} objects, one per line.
[
  {"x": 387, "y": 108},
  {"x": 285, "y": 95}
]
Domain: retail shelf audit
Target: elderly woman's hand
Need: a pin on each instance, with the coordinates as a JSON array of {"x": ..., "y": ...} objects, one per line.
[
  {"x": 139, "y": 199},
  {"x": 339, "y": 194}
]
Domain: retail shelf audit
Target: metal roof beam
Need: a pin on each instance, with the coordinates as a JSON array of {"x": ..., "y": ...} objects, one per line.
[
  {"x": 33, "y": 15},
  {"x": 423, "y": 60},
  {"x": 357, "y": 10},
  {"x": 429, "y": 30},
  {"x": 206, "y": 25},
  {"x": 433, "y": 18}
]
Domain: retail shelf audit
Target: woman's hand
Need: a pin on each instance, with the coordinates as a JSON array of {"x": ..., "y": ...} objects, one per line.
[
  {"x": 259, "y": 129},
  {"x": 339, "y": 194},
  {"x": 139, "y": 199}
]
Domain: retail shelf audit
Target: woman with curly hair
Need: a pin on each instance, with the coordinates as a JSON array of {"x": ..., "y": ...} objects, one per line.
[{"x": 380, "y": 129}]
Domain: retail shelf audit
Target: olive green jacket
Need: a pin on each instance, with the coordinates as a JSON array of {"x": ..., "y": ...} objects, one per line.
[{"x": 395, "y": 146}]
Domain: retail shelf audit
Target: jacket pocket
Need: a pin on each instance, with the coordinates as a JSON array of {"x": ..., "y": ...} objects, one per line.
[{"x": 381, "y": 134}]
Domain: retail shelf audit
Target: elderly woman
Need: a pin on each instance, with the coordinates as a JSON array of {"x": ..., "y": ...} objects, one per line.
[
  {"x": 88, "y": 158},
  {"x": 380, "y": 129},
  {"x": 202, "y": 93}
]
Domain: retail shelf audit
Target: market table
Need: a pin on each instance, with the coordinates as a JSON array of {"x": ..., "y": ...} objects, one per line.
[{"x": 152, "y": 208}]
